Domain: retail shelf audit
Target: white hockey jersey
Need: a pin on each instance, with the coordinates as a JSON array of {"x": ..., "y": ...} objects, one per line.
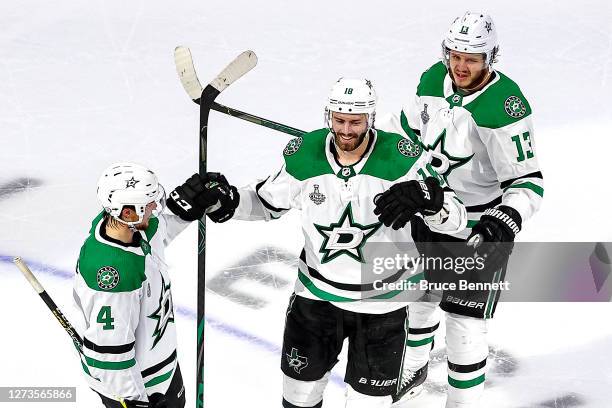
[
  {"x": 337, "y": 212},
  {"x": 482, "y": 143},
  {"x": 123, "y": 293}
]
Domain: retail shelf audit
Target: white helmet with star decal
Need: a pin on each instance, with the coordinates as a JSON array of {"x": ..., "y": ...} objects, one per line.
[
  {"x": 354, "y": 96},
  {"x": 129, "y": 184},
  {"x": 472, "y": 33}
]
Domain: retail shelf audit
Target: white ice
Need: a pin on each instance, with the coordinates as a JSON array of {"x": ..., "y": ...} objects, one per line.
[{"x": 87, "y": 83}]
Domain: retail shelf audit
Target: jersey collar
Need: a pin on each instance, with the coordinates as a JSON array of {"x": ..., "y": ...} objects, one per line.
[
  {"x": 449, "y": 91},
  {"x": 347, "y": 172}
]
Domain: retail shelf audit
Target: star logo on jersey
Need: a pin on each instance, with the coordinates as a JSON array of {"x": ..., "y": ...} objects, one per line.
[
  {"x": 164, "y": 313},
  {"x": 442, "y": 161},
  {"x": 296, "y": 361},
  {"x": 131, "y": 183},
  {"x": 107, "y": 278},
  {"x": 345, "y": 237}
]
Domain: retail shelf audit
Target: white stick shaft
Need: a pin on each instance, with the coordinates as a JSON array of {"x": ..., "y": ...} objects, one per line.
[{"x": 28, "y": 275}]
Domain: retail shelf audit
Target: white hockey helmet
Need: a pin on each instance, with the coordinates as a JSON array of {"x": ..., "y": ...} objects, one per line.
[
  {"x": 472, "y": 33},
  {"x": 129, "y": 184},
  {"x": 354, "y": 96}
]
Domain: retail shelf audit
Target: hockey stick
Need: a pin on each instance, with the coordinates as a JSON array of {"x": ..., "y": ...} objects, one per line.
[
  {"x": 62, "y": 319},
  {"x": 76, "y": 339},
  {"x": 191, "y": 84},
  {"x": 237, "y": 68}
]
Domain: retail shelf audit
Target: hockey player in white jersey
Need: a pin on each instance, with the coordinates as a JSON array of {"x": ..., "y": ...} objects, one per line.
[
  {"x": 477, "y": 125},
  {"x": 122, "y": 288},
  {"x": 332, "y": 176}
]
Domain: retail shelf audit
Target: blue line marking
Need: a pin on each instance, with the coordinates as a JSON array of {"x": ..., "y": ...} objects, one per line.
[{"x": 183, "y": 311}]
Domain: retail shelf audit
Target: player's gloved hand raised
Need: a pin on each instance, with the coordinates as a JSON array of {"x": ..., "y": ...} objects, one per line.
[
  {"x": 493, "y": 236},
  {"x": 211, "y": 195},
  {"x": 396, "y": 206}
]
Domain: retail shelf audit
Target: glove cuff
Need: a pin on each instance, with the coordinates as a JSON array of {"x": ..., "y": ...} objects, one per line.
[{"x": 508, "y": 215}]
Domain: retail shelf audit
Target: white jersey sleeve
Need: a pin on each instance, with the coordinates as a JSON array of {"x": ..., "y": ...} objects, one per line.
[
  {"x": 511, "y": 150},
  {"x": 270, "y": 198}
]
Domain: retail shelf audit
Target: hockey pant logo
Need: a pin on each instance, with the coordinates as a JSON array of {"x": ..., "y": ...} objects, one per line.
[
  {"x": 378, "y": 383},
  {"x": 296, "y": 361}
]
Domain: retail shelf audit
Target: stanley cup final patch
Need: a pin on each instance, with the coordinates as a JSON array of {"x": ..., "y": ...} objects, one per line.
[
  {"x": 515, "y": 107},
  {"x": 316, "y": 196},
  {"x": 107, "y": 278}
]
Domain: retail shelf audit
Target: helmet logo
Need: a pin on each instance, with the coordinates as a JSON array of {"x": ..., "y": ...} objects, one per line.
[
  {"x": 131, "y": 183},
  {"x": 488, "y": 26},
  {"x": 368, "y": 83},
  {"x": 464, "y": 30}
]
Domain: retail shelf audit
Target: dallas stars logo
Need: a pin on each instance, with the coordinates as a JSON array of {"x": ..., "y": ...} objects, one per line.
[
  {"x": 296, "y": 361},
  {"x": 164, "y": 313},
  {"x": 448, "y": 162},
  {"x": 131, "y": 182},
  {"x": 345, "y": 237}
]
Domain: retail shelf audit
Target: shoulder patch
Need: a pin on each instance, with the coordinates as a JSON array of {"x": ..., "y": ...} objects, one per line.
[
  {"x": 501, "y": 104},
  {"x": 305, "y": 155},
  {"x": 392, "y": 156},
  {"x": 515, "y": 107},
  {"x": 293, "y": 146},
  {"x": 107, "y": 278},
  {"x": 407, "y": 148}
]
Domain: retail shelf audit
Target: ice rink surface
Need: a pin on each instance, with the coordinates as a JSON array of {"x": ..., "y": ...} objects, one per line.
[{"x": 87, "y": 83}]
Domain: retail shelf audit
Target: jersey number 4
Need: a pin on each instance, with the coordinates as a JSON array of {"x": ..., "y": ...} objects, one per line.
[
  {"x": 104, "y": 317},
  {"x": 523, "y": 153}
]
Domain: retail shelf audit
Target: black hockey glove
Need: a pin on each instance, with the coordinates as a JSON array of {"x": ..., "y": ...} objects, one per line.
[
  {"x": 211, "y": 195},
  {"x": 493, "y": 236},
  {"x": 396, "y": 206},
  {"x": 156, "y": 400}
]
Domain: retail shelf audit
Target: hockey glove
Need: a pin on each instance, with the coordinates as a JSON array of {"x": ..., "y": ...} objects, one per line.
[
  {"x": 493, "y": 236},
  {"x": 396, "y": 206},
  {"x": 156, "y": 400},
  {"x": 210, "y": 194}
]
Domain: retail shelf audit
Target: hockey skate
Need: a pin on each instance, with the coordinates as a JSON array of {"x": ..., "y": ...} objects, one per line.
[{"x": 411, "y": 384}]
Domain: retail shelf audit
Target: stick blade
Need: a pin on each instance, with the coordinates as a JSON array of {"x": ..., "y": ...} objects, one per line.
[
  {"x": 242, "y": 64},
  {"x": 186, "y": 72}
]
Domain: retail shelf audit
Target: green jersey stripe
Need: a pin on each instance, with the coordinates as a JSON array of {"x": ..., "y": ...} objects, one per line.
[
  {"x": 110, "y": 365},
  {"x": 529, "y": 185},
  {"x": 321, "y": 294},
  {"x": 159, "y": 379}
]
